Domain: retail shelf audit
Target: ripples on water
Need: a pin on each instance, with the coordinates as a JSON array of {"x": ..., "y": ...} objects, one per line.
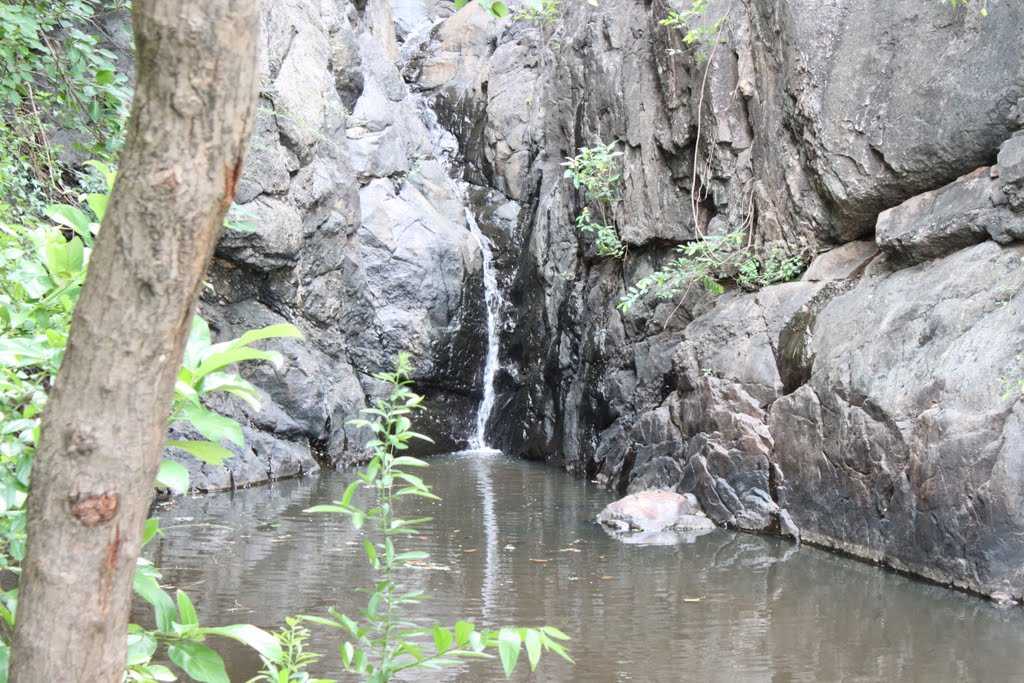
[{"x": 514, "y": 543}]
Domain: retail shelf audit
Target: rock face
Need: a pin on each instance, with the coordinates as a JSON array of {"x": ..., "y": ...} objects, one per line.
[
  {"x": 862, "y": 407},
  {"x": 858, "y": 407},
  {"x": 357, "y": 232}
]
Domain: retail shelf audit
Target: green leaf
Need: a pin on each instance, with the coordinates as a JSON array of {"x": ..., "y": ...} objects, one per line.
[
  {"x": 350, "y": 490},
  {"x": 198, "y": 341},
  {"x": 553, "y": 632},
  {"x": 442, "y": 639},
  {"x": 141, "y": 647},
  {"x": 147, "y": 588},
  {"x": 327, "y": 508},
  {"x": 186, "y": 610},
  {"x": 208, "y": 452},
  {"x": 211, "y": 425},
  {"x": 533, "y": 648},
  {"x": 70, "y": 217},
  {"x": 150, "y": 529},
  {"x": 247, "y": 634},
  {"x": 508, "y": 650},
  {"x": 222, "y": 359},
  {"x": 499, "y": 9},
  {"x": 161, "y": 673},
  {"x": 198, "y": 661},
  {"x": 371, "y": 552},
  {"x": 172, "y": 475},
  {"x": 408, "y": 461},
  {"x": 463, "y": 629},
  {"x": 278, "y": 331}
]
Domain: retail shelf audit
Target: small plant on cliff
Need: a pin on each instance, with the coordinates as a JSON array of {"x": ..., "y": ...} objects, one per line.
[
  {"x": 594, "y": 171},
  {"x": 696, "y": 32},
  {"x": 385, "y": 642},
  {"x": 711, "y": 260},
  {"x": 539, "y": 12}
]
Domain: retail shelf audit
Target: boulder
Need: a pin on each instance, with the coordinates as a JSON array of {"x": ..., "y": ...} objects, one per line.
[
  {"x": 933, "y": 224},
  {"x": 655, "y": 511}
]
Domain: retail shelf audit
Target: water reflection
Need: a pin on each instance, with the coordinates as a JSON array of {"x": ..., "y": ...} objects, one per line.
[{"x": 513, "y": 542}]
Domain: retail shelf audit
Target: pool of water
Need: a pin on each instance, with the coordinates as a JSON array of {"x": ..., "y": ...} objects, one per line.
[{"x": 514, "y": 543}]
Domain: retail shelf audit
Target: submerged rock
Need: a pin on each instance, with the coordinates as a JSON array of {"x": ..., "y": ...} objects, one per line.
[{"x": 655, "y": 517}]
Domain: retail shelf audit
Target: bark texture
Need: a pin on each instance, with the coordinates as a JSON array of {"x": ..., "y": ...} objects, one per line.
[{"x": 105, "y": 424}]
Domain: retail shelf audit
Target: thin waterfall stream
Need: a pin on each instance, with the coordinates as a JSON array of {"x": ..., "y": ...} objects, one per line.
[{"x": 492, "y": 303}]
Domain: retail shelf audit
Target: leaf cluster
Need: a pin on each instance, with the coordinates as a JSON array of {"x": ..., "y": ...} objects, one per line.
[
  {"x": 55, "y": 75},
  {"x": 696, "y": 32},
  {"x": 710, "y": 261},
  {"x": 594, "y": 172}
]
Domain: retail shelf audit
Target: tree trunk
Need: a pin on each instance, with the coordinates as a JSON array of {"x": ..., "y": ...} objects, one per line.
[{"x": 106, "y": 420}]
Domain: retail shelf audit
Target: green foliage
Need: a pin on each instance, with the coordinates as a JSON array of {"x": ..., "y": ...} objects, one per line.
[
  {"x": 594, "y": 171},
  {"x": 709, "y": 261},
  {"x": 42, "y": 268},
  {"x": 540, "y": 12},
  {"x": 695, "y": 31},
  {"x": 605, "y": 236},
  {"x": 54, "y": 74},
  {"x": 385, "y": 641},
  {"x": 496, "y": 8},
  {"x": 290, "y": 666},
  {"x": 179, "y": 632},
  {"x": 778, "y": 266}
]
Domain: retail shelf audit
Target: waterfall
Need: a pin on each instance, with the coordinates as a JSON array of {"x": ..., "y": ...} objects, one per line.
[{"x": 492, "y": 300}]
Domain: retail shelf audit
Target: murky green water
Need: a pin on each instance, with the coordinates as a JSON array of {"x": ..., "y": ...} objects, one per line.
[{"x": 514, "y": 542}]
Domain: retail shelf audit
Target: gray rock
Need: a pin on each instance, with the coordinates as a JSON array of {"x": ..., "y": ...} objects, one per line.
[
  {"x": 1011, "y": 170},
  {"x": 655, "y": 511},
  {"x": 931, "y": 225},
  {"x": 841, "y": 263}
]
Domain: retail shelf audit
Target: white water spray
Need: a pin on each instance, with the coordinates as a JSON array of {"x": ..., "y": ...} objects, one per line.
[{"x": 492, "y": 301}]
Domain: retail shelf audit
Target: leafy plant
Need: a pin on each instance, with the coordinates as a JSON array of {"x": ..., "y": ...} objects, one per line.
[
  {"x": 384, "y": 641},
  {"x": 777, "y": 266},
  {"x": 605, "y": 236},
  {"x": 709, "y": 261},
  {"x": 54, "y": 74},
  {"x": 179, "y": 632},
  {"x": 540, "y": 12},
  {"x": 594, "y": 171},
  {"x": 496, "y": 8},
  {"x": 695, "y": 31},
  {"x": 43, "y": 267},
  {"x": 291, "y": 664}
]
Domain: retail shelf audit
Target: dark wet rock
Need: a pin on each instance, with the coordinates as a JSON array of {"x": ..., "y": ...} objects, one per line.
[{"x": 900, "y": 447}]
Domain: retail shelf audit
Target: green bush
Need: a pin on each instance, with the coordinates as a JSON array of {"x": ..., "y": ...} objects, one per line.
[{"x": 594, "y": 172}]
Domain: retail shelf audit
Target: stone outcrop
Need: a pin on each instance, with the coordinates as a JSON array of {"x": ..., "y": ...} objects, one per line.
[
  {"x": 857, "y": 408},
  {"x": 861, "y": 407},
  {"x": 357, "y": 232}
]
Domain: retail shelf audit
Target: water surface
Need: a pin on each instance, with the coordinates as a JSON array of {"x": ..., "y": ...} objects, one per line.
[{"x": 514, "y": 543}]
